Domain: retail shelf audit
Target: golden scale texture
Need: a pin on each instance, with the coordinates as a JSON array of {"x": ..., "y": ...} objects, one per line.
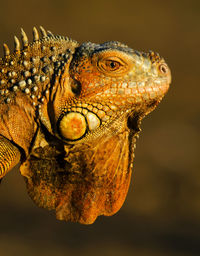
[{"x": 71, "y": 115}]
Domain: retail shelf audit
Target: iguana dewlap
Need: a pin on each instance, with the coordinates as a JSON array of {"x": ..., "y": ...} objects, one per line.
[{"x": 71, "y": 114}]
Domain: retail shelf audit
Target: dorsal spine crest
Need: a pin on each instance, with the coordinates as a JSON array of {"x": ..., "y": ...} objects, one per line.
[{"x": 30, "y": 69}]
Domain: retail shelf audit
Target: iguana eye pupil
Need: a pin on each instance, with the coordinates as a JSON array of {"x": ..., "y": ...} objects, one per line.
[{"x": 112, "y": 65}]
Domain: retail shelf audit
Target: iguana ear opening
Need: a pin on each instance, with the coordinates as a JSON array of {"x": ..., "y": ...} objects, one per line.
[{"x": 76, "y": 87}]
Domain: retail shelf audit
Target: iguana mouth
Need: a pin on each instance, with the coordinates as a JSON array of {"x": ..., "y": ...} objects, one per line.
[{"x": 136, "y": 115}]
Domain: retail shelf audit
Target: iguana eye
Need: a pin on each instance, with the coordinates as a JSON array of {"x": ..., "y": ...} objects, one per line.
[
  {"x": 111, "y": 65},
  {"x": 112, "y": 62}
]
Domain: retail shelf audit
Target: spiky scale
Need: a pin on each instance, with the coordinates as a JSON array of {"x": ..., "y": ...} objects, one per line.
[
  {"x": 50, "y": 33},
  {"x": 24, "y": 38},
  {"x": 16, "y": 44},
  {"x": 43, "y": 32},
  {"x": 6, "y": 50},
  {"x": 35, "y": 35}
]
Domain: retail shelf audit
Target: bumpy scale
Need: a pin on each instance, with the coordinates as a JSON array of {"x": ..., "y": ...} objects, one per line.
[{"x": 70, "y": 114}]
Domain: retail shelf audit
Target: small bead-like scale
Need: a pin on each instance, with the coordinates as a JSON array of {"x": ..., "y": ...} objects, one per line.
[{"x": 30, "y": 69}]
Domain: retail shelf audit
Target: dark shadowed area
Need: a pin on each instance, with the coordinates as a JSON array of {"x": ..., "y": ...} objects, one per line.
[{"x": 161, "y": 215}]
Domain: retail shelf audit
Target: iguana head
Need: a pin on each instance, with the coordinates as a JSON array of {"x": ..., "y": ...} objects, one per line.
[
  {"x": 96, "y": 104},
  {"x": 109, "y": 81}
]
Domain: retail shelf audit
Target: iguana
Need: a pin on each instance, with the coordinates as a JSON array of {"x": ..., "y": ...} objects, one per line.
[{"x": 70, "y": 114}]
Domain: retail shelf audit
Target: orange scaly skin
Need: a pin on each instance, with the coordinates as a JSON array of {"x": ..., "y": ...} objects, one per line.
[{"x": 71, "y": 114}]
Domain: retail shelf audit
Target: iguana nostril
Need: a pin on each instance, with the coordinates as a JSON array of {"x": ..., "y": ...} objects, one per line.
[{"x": 163, "y": 68}]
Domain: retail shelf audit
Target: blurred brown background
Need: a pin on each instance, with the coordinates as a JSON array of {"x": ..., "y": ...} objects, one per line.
[{"x": 161, "y": 215}]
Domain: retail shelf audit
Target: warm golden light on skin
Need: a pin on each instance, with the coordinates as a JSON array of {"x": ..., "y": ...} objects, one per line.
[{"x": 75, "y": 112}]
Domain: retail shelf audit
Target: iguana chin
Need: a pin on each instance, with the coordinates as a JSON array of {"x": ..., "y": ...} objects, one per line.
[{"x": 71, "y": 114}]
